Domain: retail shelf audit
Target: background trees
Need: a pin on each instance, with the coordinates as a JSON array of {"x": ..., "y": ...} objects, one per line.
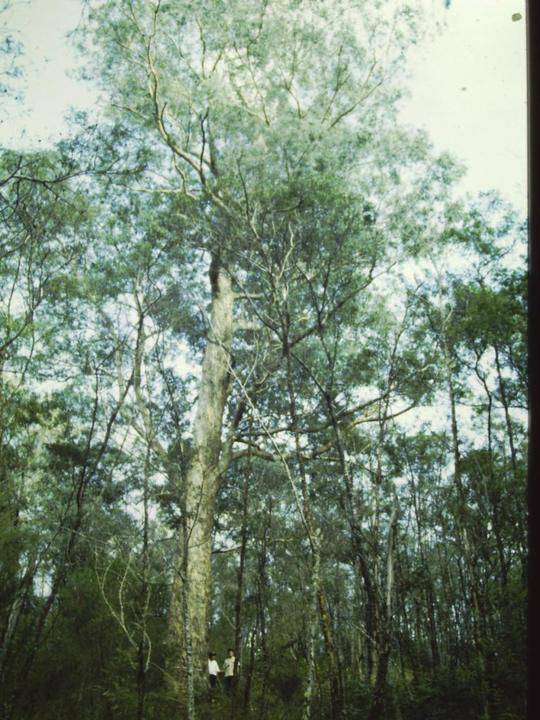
[{"x": 262, "y": 386}]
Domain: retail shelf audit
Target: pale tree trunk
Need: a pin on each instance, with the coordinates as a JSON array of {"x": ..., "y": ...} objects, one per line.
[
  {"x": 203, "y": 473},
  {"x": 379, "y": 699},
  {"x": 238, "y": 606},
  {"x": 505, "y": 403},
  {"x": 493, "y": 494},
  {"x": 262, "y": 587},
  {"x": 429, "y": 592},
  {"x": 311, "y": 632},
  {"x": 462, "y": 528},
  {"x": 361, "y": 565},
  {"x": 143, "y": 650},
  {"x": 249, "y": 671},
  {"x": 188, "y": 645},
  {"x": 320, "y": 602}
]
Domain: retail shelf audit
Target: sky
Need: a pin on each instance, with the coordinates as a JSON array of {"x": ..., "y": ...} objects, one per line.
[
  {"x": 469, "y": 91},
  {"x": 467, "y": 86}
]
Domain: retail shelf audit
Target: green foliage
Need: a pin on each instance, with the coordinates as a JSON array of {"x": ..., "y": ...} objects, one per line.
[{"x": 377, "y": 380}]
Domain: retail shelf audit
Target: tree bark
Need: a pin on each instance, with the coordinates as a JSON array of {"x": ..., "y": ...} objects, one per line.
[
  {"x": 262, "y": 582},
  {"x": 313, "y": 533},
  {"x": 142, "y": 653},
  {"x": 240, "y": 585},
  {"x": 203, "y": 472},
  {"x": 504, "y": 400},
  {"x": 462, "y": 527},
  {"x": 379, "y": 691}
]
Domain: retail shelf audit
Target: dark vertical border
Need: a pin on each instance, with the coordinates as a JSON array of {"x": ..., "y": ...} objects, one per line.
[{"x": 533, "y": 56}]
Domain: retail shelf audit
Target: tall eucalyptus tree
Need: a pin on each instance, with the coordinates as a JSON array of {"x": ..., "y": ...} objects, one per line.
[{"x": 250, "y": 108}]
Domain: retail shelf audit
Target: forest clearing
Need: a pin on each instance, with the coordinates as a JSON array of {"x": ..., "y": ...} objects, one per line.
[{"x": 263, "y": 383}]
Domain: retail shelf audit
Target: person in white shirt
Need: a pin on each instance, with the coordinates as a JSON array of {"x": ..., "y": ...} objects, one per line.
[
  {"x": 228, "y": 669},
  {"x": 213, "y": 669}
]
